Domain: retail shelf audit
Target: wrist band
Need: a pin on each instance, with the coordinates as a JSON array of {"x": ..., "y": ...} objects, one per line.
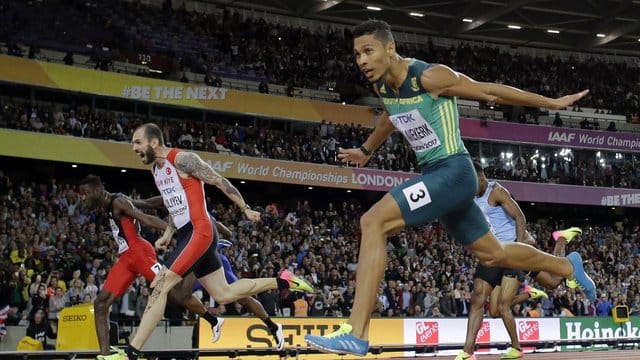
[{"x": 365, "y": 150}]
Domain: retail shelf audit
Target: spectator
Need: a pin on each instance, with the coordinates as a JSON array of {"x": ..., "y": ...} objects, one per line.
[
  {"x": 448, "y": 304},
  {"x": 208, "y": 80},
  {"x": 68, "y": 58},
  {"x": 301, "y": 306},
  {"x": 40, "y": 329},
  {"x": 39, "y": 302},
  {"x": 141, "y": 302},
  {"x": 57, "y": 302},
  {"x": 612, "y": 126},
  {"x": 634, "y": 307},
  {"x": 76, "y": 293},
  {"x": 557, "y": 121},
  {"x": 585, "y": 124},
  {"x": 604, "y": 306},
  {"x": 263, "y": 88},
  {"x": 91, "y": 288}
]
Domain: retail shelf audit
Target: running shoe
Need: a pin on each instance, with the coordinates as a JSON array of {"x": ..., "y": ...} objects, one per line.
[
  {"x": 579, "y": 275},
  {"x": 340, "y": 341},
  {"x": 567, "y": 234},
  {"x": 296, "y": 283}
]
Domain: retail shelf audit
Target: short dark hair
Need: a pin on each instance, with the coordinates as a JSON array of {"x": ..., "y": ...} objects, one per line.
[
  {"x": 92, "y": 180},
  {"x": 478, "y": 166},
  {"x": 152, "y": 131},
  {"x": 380, "y": 30}
]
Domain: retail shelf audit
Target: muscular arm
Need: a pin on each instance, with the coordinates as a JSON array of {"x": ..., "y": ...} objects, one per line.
[
  {"x": 441, "y": 80},
  {"x": 122, "y": 206},
  {"x": 224, "y": 231},
  {"x": 381, "y": 132},
  {"x": 191, "y": 164},
  {"x": 501, "y": 197},
  {"x": 150, "y": 203}
]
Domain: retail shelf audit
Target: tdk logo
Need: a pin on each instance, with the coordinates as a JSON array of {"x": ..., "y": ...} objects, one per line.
[{"x": 405, "y": 118}]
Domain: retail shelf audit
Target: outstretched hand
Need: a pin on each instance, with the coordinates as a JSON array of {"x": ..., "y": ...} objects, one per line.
[
  {"x": 252, "y": 215},
  {"x": 353, "y": 156},
  {"x": 568, "y": 100},
  {"x": 163, "y": 242}
]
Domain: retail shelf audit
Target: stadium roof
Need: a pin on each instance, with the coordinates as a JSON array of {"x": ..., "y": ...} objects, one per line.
[{"x": 610, "y": 26}]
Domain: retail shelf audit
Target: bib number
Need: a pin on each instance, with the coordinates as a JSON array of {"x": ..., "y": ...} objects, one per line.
[
  {"x": 115, "y": 231},
  {"x": 416, "y": 130},
  {"x": 156, "y": 268},
  {"x": 122, "y": 244},
  {"x": 417, "y": 195}
]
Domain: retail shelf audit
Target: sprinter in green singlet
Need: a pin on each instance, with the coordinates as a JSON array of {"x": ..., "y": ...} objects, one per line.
[{"x": 420, "y": 102}]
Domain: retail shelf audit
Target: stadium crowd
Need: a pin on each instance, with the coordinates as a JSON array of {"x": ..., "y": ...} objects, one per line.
[
  {"x": 319, "y": 144},
  {"x": 225, "y": 42},
  {"x": 53, "y": 255}
]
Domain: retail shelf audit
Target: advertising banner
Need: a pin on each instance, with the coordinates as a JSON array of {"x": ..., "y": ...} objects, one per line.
[
  {"x": 555, "y": 136},
  {"x": 77, "y": 329},
  {"x": 251, "y": 332},
  {"x": 56, "y": 76},
  {"x": 119, "y": 154},
  {"x": 597, "y": 328},
  {"x": 449, "y": 331},
  {"x": 572, "y": 194}
]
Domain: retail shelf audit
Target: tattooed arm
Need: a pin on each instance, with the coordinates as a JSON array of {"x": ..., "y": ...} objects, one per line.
[{"x": 191, "y": 164}]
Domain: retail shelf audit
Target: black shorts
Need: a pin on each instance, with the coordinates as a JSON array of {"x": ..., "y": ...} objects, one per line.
[
  {"x": 493, "y": 275},
  {"x": 518, "y": 274},
  {"x": 195, "y": 251}
]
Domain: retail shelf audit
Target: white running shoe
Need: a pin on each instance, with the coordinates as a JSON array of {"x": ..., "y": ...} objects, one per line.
[
  {"x": 279, "y": 336},
  {"x": 217, "y": 330}
]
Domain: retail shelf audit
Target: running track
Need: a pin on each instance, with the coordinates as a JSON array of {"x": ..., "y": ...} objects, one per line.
[{"x": 571, "y": 355}]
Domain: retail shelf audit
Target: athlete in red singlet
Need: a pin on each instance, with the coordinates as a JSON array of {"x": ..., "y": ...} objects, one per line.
[
  {"x": 136, "y": 256},
  {"x": 180, "y": 177}
]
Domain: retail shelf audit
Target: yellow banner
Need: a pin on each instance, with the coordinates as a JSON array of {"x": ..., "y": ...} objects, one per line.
[
  {"x": 118, "y": 154},
  {"x": 57, "y": 76},
  {"x": 77, "y": 329},
  {"x": 251, "y": 332}
]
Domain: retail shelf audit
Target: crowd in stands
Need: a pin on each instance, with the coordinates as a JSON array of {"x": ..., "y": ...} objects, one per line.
[
  {"x": 315, "y": 143},
  {"x": 53, "y": 255},
  {"x": 226, "y": 42}
]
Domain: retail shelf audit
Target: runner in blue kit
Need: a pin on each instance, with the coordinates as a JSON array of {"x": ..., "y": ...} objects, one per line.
[
  {"x": 508, "y": 223},
  {"x": 249, "y": 303},
  {"x": 420, "y": 102}
]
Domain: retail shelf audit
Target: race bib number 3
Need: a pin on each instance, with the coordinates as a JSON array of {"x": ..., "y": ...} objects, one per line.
[
  {"x": 416, "y": 130},
  {"x": 417, "y": 195}
]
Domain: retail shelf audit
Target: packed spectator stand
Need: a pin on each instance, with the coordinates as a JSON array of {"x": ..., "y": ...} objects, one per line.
[
  {"x": 225, "y": 42},
  {"x": 56, "y": 255}
]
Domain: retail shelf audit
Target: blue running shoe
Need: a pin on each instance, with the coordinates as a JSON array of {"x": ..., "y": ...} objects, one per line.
[
  {"x": 579, "y": 275},
  {"x": 339, "y": 342}
]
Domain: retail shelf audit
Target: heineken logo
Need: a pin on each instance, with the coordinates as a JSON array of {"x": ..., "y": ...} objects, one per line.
[{"x": 584, "y": 330}]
